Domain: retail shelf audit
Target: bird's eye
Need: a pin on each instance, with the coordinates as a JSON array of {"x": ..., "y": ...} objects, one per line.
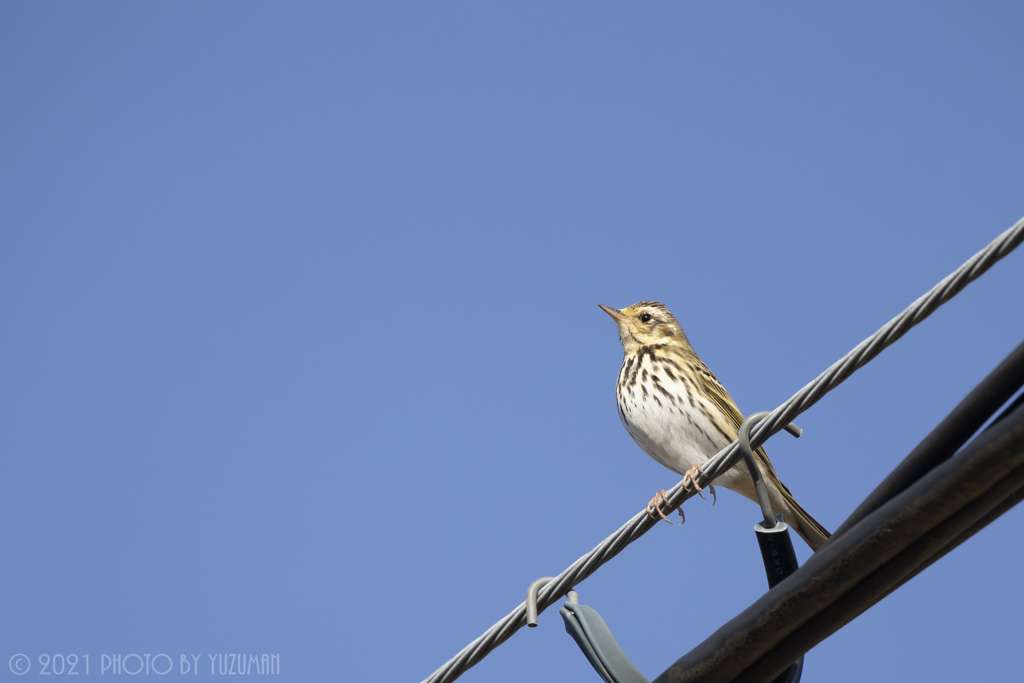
[{"x": 646, "y": 318}]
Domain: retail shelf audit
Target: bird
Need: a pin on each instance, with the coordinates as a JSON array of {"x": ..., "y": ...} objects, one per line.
[{"x": 678, "y": 412}]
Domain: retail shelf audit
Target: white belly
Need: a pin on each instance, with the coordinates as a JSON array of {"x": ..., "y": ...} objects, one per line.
[{"x": 675, "y": 433}]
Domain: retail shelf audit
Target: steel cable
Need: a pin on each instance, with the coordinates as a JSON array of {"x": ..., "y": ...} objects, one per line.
[{"x": 777, "y": 420}]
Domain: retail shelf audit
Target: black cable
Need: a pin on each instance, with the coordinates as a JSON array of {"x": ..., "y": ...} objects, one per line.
[
  {"x": 888, "y": 547},
  {"x": 953, "y": 432}
]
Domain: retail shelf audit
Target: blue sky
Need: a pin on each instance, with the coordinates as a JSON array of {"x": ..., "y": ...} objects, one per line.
[{"x": 301, "y": 351}]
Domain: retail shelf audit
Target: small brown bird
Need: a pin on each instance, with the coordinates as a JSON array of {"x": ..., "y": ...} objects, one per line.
[{"x": 679, "y": 413}]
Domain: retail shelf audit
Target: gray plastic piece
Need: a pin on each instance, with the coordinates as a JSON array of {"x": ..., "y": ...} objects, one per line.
[{"x": 594, "y": 637}]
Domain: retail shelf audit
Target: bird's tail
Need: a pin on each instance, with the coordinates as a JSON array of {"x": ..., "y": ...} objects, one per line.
[
  {"x": 782, "y": 500},
  {"x": 798, "y": 518}
]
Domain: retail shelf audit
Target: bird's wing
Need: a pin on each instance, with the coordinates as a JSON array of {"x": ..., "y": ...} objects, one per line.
[
  {"x": 714, "y": 389},
  {"x": 804, "y": 524}
]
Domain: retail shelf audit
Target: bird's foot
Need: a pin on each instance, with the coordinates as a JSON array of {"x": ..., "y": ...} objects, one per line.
[
  {"x": 690, "y": 482},
  {"x": 654, "y": 507}
]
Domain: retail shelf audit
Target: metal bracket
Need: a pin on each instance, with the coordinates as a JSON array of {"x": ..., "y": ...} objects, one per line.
[
  {"x": 755, "y": 471},
  {"x": 531, "y": 599}
]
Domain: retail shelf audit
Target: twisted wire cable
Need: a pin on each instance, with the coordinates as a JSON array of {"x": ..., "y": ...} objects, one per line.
[{"x": 810, "y": 394}]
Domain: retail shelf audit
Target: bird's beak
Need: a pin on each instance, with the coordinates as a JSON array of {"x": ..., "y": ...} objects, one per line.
[{"x": 616, "y": 316}]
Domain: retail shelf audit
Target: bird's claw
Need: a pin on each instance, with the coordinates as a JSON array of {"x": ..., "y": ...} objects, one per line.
[
  {"x": 654, "y": 507},
  {"x": 690, "y": 482}
]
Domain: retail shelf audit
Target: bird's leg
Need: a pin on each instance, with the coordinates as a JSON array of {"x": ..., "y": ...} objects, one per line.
[
  {"x": 655, "y": 507},
  {"x": 690, "y": 480}
]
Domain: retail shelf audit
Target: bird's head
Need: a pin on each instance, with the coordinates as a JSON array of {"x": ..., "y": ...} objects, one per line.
[{"x": 647, "y": 322}]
